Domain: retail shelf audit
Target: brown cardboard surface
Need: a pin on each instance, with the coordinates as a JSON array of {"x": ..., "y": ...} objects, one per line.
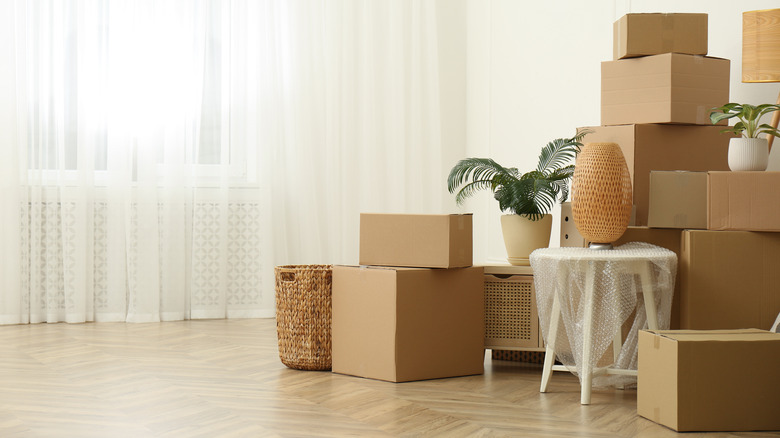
[
  {"x": 747, "y": 201},
  {"x": 678, "y": 199},
  {"x": 649, "y": 147},
  {"x": 729, "y": 279},
  {"x": 667, "y": 88},
  {"x": 404, "y": 324},
  {"x": 668, "y": 238},
  {"x": 653, "y": 34},
  {"x": 416, "y": 240},
  {"x": 710, "y": 380}
]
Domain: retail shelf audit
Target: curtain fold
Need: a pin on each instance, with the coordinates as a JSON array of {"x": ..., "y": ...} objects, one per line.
[{"x": 160, "y": 157}]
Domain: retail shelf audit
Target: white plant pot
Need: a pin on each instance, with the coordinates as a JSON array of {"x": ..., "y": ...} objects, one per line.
[
  {"x": 522, "y": 236},
  {"x": 748, "y": 154}
]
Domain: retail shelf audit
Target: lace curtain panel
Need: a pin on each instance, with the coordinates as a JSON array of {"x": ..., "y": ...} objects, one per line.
[{"x": 160, "y": 157}]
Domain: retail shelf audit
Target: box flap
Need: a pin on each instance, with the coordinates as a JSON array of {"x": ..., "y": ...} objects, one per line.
[{"x": 718, "y": 335}]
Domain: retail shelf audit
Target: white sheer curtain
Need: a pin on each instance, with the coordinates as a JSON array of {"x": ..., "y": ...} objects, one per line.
[{"x": 159, "y": 157}]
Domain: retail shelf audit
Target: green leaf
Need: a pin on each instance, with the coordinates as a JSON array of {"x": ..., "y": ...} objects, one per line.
[{"x": 532, "y": 194}]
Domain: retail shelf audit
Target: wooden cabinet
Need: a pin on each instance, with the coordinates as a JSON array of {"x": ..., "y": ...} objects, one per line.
[{"x": 511, "y": 321}]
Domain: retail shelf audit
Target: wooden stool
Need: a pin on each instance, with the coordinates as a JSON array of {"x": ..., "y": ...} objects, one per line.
[{"x": 625, "y": 260}]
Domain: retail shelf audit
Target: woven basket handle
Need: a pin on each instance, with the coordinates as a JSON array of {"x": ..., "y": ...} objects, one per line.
[{"x": 287, "y": 275}]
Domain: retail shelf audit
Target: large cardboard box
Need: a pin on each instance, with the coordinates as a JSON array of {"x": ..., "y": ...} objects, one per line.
[
  {"x": 668, "y": 88},
  {"x": 678, "y": 199},
  {"x": 665, "y": 238},
  {"x": 416, "y": 240},
  {"x": 747, "y": 201},
  {"x": 650, "y": 147},
  {"x": 729, "y": 279},
  {"x": 403, "y": 324},
  {"x": 724, "y": 380},
  {"x": 653, "y": 34}
]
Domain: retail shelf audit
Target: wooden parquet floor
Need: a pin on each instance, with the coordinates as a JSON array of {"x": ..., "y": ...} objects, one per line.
[{"x": 223, "y": 378}]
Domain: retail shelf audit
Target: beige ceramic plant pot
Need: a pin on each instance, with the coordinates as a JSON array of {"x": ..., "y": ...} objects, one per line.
[{"x": 522, "y": 236}]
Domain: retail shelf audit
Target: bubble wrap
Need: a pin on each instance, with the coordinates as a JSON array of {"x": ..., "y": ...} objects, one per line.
[{"x": 617, "y": 293}]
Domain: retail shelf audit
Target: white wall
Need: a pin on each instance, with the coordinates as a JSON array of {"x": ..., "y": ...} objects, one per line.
[{"x": 533, "y": 74}]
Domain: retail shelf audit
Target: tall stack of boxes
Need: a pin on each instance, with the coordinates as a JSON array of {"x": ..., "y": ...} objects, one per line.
[
  {"x": 724, "y": 226},
  {"x": 656, "y": 97},
  {"x": 414, "y": 308}
]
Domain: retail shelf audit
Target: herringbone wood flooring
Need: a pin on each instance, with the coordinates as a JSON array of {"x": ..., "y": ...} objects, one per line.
[{"x": 223, "y": 378}]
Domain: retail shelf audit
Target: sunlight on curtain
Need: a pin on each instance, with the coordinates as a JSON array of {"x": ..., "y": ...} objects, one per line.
[{"x": 159, "y": 157}]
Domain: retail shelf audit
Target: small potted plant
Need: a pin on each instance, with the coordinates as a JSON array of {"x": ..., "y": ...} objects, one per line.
[
  {"x": 748, "y": 151},
  {"x": 527, "y": 198}
]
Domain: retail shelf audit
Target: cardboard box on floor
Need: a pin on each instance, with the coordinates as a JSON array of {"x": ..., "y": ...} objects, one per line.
[
  {"x": 648, "y": 147},
  {"x": 403, "y": 324},
  {"x": 416, "y": 240},
  {"x": 653, "y": 34},
  {"x": 723, "y": 380},
  {"x": 668, "y": 88},
  {"x": 729, "y": 279}
]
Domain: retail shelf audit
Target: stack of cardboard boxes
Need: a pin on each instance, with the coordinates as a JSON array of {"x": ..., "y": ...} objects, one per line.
[
  {"x": 414, "y": 308},
  {"x": 722, "y": 225},
  {"x": 656, "y": 107}
]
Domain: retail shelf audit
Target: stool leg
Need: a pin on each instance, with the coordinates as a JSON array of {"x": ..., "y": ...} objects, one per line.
[
  {"x": 617, "y": 341},
  {"x": 649, "y": 294},
  {"x": 552, "y": 334},
  {"x": 587, "y": 370}
]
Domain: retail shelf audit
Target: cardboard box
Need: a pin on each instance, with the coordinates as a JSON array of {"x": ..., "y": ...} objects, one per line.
[
  {"x": 416, "y": 240},
  {"x": 650, "y": 147},
  {"x": 729, "y": 279},
  {"x": 668, "y": 88},
  {"x": 725, "y": 380},
  {"x": 665, "y": 238},
  {"x": 678, "y": 199},
  {"x": 653, "y": 34},
  {"x": 747, "y": 201},
  {"x": 403, "y": 324}
]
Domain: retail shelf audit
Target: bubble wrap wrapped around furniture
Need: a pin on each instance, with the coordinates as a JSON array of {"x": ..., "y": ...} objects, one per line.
[{"x": 617, "y": 293}]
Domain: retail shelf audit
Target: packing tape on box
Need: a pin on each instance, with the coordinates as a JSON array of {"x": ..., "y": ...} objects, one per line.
[
  {"x": 656, "y": 342},
  {"x": 461, "y": 222},
  {"x": 657, "y": 414},
  {"x": 702, "y": 115}
]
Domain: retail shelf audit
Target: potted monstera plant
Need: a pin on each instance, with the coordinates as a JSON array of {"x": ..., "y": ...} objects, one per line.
[
  {"x": 748, "y": 151},
  {"x": 527, "y": 198}
]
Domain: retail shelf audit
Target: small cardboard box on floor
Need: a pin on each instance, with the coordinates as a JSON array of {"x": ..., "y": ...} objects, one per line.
[
  {"x": 720, "y": 380},
  {"x": 653, "y": 34},
  {"x": 746, "y": 201},
  {"x": 416, "y": 240},
  {"x": 668, "y": 88},
  {"x": 404, "y": 324},
  {"x": 648, "y": 147}
]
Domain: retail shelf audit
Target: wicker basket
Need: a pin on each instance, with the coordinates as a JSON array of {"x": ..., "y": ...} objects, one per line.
[{"x": 303, "y": 315}]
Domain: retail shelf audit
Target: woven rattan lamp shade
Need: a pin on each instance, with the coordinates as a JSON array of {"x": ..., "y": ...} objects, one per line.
[
  {"x": 761, "y": 46},
  {"x": 601, "y": 193},
  {"x": 761, "y": 53}
]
